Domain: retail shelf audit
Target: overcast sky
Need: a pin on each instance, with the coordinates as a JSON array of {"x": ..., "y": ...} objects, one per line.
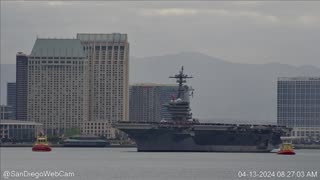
[{"x": 245, "y": 32}]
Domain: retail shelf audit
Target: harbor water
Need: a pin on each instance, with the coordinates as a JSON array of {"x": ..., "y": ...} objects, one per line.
[{"x": 127, "y": 164}]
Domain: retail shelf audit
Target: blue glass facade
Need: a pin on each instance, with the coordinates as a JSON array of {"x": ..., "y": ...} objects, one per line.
[
  {"x": 11, "y": 99},
  {"x": 4, "y": 112},
  {"x": 298, "y": 102},
  {"x": 21, "y": 86}
]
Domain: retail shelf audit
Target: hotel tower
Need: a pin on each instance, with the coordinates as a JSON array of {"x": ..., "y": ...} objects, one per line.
[
  {"x": 58, "y": 85},
  {"x": 108, "y": 56}
]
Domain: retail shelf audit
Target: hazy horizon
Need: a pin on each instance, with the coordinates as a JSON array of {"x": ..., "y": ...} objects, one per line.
[{"x": 225, "y": 60}]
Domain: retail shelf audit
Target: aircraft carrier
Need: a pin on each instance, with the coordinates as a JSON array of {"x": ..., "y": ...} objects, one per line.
[{"x": 182, "y": 133}]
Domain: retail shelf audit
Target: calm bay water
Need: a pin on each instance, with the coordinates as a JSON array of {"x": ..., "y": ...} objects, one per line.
[{"x": 127, "y": 164}]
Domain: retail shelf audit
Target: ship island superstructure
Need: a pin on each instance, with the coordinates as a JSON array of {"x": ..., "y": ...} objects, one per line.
[{"x": 184, "y": 133}]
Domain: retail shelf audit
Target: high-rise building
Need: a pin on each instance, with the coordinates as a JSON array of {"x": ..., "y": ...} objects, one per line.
[
  {"x": 299, "y": 105},
  {"x": 108, "y": 56},
  {"x": 21, "y": 85},
  {"x": 58, "y": 85},
  {"x": 146, "y": 101},
  {"x": 11, "y": 99}
]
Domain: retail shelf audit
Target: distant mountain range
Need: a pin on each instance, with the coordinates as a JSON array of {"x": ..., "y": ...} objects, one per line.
[{"x": 224, "y": 91}]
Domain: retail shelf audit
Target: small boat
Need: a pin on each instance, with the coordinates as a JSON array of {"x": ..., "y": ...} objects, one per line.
[
  {"x": 85, "y": 141},
  {"x": 41, "y": 144},
  {"x": 275, "y": 150},
  {"x": 286, "y": 149}
]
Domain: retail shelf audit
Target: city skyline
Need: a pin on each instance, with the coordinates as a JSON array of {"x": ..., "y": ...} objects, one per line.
[
  {"x": 90, "y": 94},
  {"x": 228, "y": 87}
]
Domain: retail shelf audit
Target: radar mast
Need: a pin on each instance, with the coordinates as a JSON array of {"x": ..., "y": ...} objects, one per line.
[{"x": 181, "y": 78}]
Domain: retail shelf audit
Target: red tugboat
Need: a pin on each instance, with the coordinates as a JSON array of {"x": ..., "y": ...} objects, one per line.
[
  {"x": 41, "y": 144},
  {"x": 286, "y": 148}
]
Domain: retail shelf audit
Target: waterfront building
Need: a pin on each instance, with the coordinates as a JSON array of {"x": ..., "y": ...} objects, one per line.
[
  {"x": 147, "y": 99},
  {"x": 14, "y": 130},
  {"x": 58, "y": 85},
  {"x": 108, "y": 56},
  {"x": 21, "y": 85},
  {"x": 299, "y": 105},
  {"x": 4, "y": 112},
  {"x": 99, "y": 128},
  {"x": 11, "y": 99}
]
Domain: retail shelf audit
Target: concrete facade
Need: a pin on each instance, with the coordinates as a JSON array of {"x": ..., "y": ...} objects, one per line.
[
  {"x": 147, "y": 99},
  {"x": 108, "y": 56},
  {"x": 58, "y": 85}
]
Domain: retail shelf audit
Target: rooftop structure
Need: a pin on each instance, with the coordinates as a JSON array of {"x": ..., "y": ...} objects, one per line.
[
  {"x": 57, "y": 48},
  {"x": 102, "y": 37}
]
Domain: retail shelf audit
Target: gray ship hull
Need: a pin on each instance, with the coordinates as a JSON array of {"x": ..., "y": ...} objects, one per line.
[
  {"x": 167, "y": 143},
  {"x": 202, "y": 139}
]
